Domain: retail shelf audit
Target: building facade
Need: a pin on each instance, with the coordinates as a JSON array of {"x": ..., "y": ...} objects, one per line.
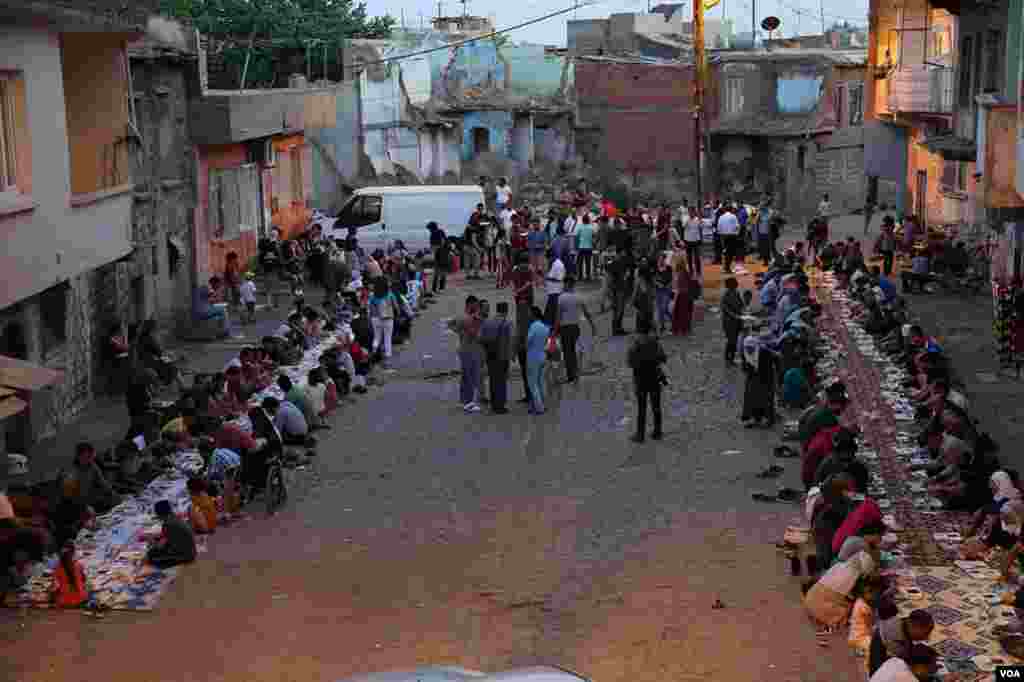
[
  {"x": 787, "y": 123},
  {"x": 66, "y": 192},
  {"x": 463, "y": 110}
]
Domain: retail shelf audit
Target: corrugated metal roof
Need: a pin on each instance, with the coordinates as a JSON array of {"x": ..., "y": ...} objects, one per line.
[{"x": 841, "y": 57}]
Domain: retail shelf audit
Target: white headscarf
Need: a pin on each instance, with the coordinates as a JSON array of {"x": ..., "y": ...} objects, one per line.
[
  {"x": 751, "y": 349},
  {"x": 843, "y": 576},
  {"x": 1003, "y": 489}
]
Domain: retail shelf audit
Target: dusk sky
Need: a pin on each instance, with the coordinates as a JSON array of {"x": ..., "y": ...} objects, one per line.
[{"x": 798, "y": 16}]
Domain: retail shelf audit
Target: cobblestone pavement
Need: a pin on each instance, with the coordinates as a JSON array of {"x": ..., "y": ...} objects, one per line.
[{"x": 427, "y": 536}]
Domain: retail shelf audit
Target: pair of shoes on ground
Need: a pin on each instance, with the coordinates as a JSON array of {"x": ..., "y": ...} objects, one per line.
[
  {"x": 471, "y": 408},
  {"x": 639, "y": 437}
]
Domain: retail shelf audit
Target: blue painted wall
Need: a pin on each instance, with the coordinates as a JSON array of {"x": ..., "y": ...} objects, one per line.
[
  {"x": 798, "y": 94},
  {"x": 499, "y": 126},
  {"x": 340, "y": 139}
]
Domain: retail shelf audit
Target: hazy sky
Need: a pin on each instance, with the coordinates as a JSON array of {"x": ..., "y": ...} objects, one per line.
[{"x": 803, "y": 16}]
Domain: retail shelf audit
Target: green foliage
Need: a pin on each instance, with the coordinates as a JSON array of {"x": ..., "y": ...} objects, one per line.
[{"x": 280, "y": 25}]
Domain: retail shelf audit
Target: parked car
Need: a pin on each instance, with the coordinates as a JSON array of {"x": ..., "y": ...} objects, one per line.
[
  {"x": 453, "y": 674},
  {"x": 380, "y": 215}
]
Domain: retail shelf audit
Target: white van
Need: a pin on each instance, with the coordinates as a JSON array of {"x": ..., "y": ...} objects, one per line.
[{"x": 383, "y": 214}]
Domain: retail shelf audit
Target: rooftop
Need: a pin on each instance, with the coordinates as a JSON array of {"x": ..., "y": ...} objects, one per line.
[{"x": 840, "y": 57}]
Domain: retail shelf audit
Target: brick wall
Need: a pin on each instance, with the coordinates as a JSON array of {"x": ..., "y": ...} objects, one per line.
[{"x": 643, "y": 111}]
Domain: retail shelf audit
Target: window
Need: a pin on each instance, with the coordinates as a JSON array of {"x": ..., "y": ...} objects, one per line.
[
  {"x": 234, "y": 202},
  {"x": 8, "y": 139},
  {"x": 954, "y": 177},
  {"x": 993, "y": 61},
  {"x": 939, "y": 44},
  {"x": 966, "y": 70},
  {"x": 733, "y": 100},
  {"x": 296, "y": 180},
  {"x": 838, "y": 101},
  {"x": 53, "y": 314},
  {"x": 856, "y": 106}
]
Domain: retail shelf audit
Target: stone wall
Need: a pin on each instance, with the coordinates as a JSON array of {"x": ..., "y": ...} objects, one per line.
[{"x": 163, "y": 167}]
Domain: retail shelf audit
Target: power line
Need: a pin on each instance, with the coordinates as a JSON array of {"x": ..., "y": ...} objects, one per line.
[{"x": 486, "y": 36}]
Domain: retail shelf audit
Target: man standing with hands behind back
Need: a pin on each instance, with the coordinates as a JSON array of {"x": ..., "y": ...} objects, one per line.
[{"x": 496, "y": 336}]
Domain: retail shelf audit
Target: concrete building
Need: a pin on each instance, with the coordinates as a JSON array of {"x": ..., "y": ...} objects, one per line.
[
  {"x": 660, "y": 34},
  {"x": 66, "y": 191},
  {"x": 787, "y": 123},
  {"x": 911, "y": 114},
  {"x": 480, "y": 108}
]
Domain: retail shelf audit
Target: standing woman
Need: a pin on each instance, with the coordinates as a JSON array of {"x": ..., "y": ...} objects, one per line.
[
  {"x": 693, "y": 237},
  {"x": 382, "y": 317},
  {"x": 759, "y": 394},
  {"x": 686, "y": 292}
]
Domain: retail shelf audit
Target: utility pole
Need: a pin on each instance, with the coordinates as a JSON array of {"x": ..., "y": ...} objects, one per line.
[
  {"x": 753, "y": 24},
  {"x": 698, "y": 100},
  {"x": 821, "y": 8}
]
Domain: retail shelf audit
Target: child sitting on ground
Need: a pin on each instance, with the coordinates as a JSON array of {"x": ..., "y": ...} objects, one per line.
[
  {"x": 69, "y": 587},
  {"x": 177, "y": 544},
  {"x": 203, "y": 512},
  {"x": 862, "y": 619}
]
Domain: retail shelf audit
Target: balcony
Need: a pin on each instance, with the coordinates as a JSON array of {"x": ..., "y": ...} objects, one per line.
[{"x": 923, "y": 89}]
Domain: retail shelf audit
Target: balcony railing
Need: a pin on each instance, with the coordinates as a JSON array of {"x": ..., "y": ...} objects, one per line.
[{"x": 923, "y": 89}]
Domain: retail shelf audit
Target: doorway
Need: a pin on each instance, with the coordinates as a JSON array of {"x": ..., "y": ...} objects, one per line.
[
  {"x": 921, "y": 199},
  {"x": 481, "y": 141},
  {"x": 18, "y": 428}
]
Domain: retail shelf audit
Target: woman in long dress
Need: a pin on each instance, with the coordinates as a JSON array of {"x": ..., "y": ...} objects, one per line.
[
  {"x": 686, "y": 289},
  {"x": 759, "y": 393}
]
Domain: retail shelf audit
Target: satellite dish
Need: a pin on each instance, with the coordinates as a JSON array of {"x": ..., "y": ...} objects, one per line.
[{"x": 770, "y": 24}]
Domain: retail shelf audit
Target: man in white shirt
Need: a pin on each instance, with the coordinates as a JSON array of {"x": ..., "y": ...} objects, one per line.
[
  {"x": 825, "y": 207},
  {"x": 502, "y": 195},
  {"x": 729, "y": 230},
  {"x": 553, "y": 284},
  {"x": 693, "y": 237}
]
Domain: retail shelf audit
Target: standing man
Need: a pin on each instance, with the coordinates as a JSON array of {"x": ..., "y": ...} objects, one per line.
[
  {"x": 554, "y": 283},
  {"x": 468, "y": 329},
  {"x": 472, "y": 238},
  {"x": 522, "y": 292},
  {"x": 485, "y": 314},
  {"x": 438, "y": 243},
  {"x": 619, "y": 281},
  {"x": 570, "y": 309},
  {"x": 732, "y": 312},
  {"x": 825, "y": 207},
  {"x": 728, "y": 230},
  {"x": 496, "y": 335},
  {"x": 714, "y": 214},
  {"x": 693, "y": 238},
  {"x": 763, "y": 233},
  {"x": 646, "y": 357},
  {"x": 585, "y": 247},
  {"x": 887, "y": 243}
]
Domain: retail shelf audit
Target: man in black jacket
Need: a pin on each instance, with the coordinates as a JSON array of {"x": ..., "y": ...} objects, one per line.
[{"x": 646, "y": 357}]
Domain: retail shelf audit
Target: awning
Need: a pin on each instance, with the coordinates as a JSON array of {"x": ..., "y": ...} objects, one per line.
[{"x": 951, "y": 147}]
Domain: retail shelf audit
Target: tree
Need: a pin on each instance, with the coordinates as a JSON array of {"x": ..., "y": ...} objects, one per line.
[{"x": 271, "y": 26}]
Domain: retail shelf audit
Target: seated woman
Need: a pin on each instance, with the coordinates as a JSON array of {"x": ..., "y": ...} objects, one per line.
[
  {"x": 830, "y": 599},
  {"x": 177, "y": 544},
  {"x": 235, "y": 386},
  {"x": 867, "y": 538},
  {"x": 70, "y": 589},
  {"x": 1005, "y": 494},
  {"x": 205, "y": 299},
  {"x": 86, "y": 485},
  {"x": 796, "y": 389},
  {"x": 828, "y": 515},
  {"x": 958, "y": 483},
  {"x": 203, "y": 512}
]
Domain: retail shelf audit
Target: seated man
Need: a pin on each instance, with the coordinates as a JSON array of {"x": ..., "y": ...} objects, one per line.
[
  {"x": 292, "y": 424},
  {"x": 178, "y": 431},
  {"x": 177, "y": 544},
  {"x": 268, "y": 443}
]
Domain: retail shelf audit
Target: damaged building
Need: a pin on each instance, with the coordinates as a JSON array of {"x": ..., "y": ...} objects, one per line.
[
  {"x": 453, "y": 112},
  {"x": 788, "y": 122}
]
